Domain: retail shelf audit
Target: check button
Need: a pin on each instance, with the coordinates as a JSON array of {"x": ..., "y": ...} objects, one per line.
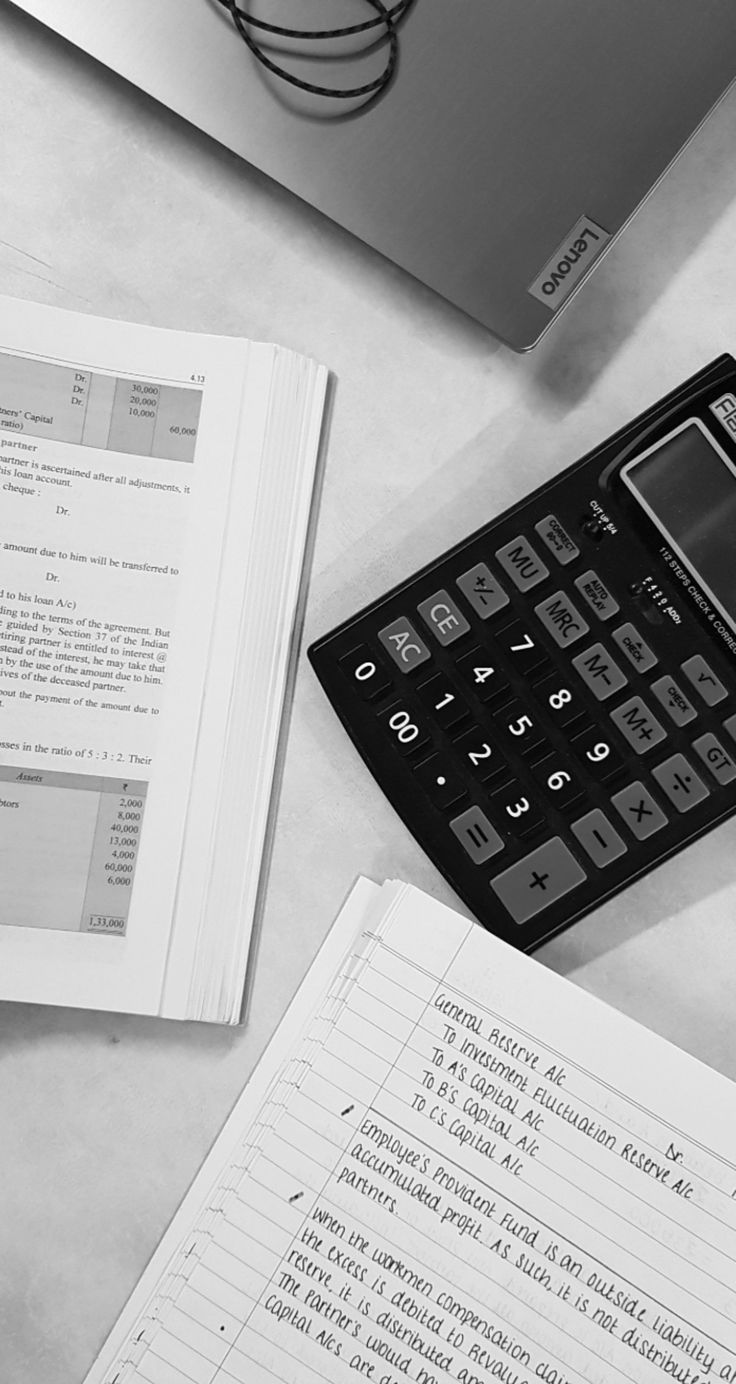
[{"x": 540, "y": 879}]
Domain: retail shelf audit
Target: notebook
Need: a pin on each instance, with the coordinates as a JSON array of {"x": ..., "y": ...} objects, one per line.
[
  {"x": 158, "y": 495},
  {"x": 450, "y": 1164}
]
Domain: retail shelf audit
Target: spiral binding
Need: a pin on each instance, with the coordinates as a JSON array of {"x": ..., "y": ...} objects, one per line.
[{"x": 386, "y": 20}]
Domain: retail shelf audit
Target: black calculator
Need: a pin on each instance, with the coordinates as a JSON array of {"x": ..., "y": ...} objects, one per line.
[{"x": 551, "y": 705}]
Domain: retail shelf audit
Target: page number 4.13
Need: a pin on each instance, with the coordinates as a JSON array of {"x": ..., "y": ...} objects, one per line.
[{"x": 196, "y": 379}]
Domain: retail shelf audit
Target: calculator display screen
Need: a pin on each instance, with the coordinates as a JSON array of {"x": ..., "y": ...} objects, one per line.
[{"x": 687, "y": 485}]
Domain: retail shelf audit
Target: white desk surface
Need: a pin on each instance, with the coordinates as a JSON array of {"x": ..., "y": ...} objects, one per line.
[{"x": 111, "y": 205}]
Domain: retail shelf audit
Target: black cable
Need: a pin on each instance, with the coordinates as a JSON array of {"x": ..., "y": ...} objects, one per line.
[{"x": 388, "y": 16}]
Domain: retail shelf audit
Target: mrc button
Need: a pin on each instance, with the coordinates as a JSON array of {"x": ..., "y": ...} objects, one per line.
[{"x": 561, "y": 619}]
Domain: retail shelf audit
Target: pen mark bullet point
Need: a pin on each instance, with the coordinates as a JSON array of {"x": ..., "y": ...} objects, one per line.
[
  {"x": 347, "y": 1110},
  {"x": 295, "y": 1197}
]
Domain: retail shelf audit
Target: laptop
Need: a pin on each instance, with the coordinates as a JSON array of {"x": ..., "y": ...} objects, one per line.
[{"x": 514, "y": 144}]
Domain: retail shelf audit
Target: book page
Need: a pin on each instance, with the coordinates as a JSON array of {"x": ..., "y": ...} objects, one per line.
[
  {"x": 116, "y": 451},
  {"x": 470, "y": 1170}
]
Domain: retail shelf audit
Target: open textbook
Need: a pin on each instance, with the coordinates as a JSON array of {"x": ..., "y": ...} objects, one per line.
[
  {"x": 157, "y": 488},
  {"x": 450, "y": 1165}
]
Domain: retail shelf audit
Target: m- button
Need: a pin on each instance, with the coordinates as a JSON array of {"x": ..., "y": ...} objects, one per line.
[{"x": 634, "y": 647}]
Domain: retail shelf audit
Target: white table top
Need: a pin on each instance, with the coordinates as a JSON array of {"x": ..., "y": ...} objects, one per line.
[{"x": 112, "y": 206}]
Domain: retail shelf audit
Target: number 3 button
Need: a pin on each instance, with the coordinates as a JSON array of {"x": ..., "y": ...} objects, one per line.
[{"x": 516, "y": 810}]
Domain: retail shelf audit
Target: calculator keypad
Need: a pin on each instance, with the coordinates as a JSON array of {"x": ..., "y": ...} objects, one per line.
[{"x": 540, "y": 726}]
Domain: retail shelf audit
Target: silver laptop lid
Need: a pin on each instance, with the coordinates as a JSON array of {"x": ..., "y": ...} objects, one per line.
[{"x": 518, "y": 137}]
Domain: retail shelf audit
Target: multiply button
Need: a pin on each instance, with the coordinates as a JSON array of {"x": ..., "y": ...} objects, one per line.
[
  {"x": 443, "y": 618},
  {"x": 482, "y": 591},
  {"x": 520, "y": 561},
  {"x": 560, "y": 617},
  {"x": 634, "y": 647},
  {"x": 638, "y": 809},
  {"x": 704, "y": 680},
  {"x": 404, "y": 644},
  {"x": 540, "y": 879},
  {"x": 680, "y": 782},
  {"x": 642, "y": 730},
  {"x": 597, "y": 595}
]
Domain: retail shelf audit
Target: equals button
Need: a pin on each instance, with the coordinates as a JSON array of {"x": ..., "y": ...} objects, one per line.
[{"x": 476, "y": 834}]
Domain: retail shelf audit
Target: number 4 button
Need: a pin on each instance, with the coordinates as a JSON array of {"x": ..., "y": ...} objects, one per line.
[{"x": 480, "y": 672}]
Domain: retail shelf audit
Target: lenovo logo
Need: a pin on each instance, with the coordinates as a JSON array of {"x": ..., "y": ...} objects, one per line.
[{"x": 569, "y": 262}]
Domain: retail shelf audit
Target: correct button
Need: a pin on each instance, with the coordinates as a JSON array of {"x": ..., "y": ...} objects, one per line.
[{"x": 540, "y": 879}]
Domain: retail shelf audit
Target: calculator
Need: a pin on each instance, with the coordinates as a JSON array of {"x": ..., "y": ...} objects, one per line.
[{"x": 550, "y": 706}]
